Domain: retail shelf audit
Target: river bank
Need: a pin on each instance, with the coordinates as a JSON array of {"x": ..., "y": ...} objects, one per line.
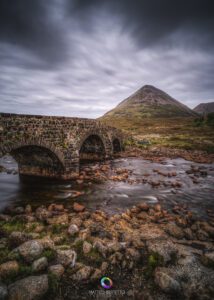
[
  {"x": 147, "y": 223},
  {"x": 160, "y": 153}
]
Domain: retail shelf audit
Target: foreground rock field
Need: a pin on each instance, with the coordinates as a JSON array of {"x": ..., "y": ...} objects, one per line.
[{"x": 147, "y": 251}]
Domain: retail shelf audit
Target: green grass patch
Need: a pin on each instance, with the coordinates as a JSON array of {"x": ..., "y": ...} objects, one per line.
[
  {"x": 13, "y": 225},
  {"x": 50, "y": 254},
  {"x": 154, "y": 260},
  {"x": 58, "y": 228}
]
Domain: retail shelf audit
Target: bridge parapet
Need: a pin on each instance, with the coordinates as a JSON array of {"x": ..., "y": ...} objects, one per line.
[{"x": 52, "y": 146}]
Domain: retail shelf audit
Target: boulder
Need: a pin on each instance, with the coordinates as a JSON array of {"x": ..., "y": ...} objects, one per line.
[
  {"x": 151, "y": 231},
  {"x": 132, "y": 254},
  {"x": 40, "y": 264},
  {"x": 30, "y": 250},
  {"x": 56, "y": 207},
  {"x": 165, "y": 282},
  {"x": 104, "y": 266},
  {"x": 174, "y": 230},
  {"x": 166, "y": 249},
  {"x": 73, "y": 229},
  {"x": 46, "y": 242},
  {"x": 202, "y": 235},
  {"x": 42, "y": 213},
  {"x": 29, "y": 288},
  {"x": 61, "y": 219},
  {"x": 28, "y": 209},
  {"x": 83, "y": 274},
  {"x": 114, "y": 246},
  {"x": 78, "y": 207},
  {"x": 57, "y": 270},
  {"x": 86, "y": 247},
  {"x": 5, "y": 218},
  {"x": 17, "y": 238},
  {"x": 143, "y": 206},
  {"x": 66, "y": 257},
  {"x": 100, "y": 248},
  {"x": 9, "y": 267}
]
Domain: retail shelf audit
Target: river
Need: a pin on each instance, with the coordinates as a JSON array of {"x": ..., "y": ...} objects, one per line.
[{"x": 114, "y": 196}]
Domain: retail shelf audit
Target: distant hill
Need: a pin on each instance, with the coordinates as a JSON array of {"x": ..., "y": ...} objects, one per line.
[
  {"x": 149, "y": 102},
  {"x": 204, "y": 108}
]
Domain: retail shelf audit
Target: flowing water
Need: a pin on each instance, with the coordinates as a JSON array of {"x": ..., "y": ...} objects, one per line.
[{"x": 112, "y": 196}]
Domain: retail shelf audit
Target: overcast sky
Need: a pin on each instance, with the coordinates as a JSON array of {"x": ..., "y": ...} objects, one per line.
[{"x": 82, "y": 57}]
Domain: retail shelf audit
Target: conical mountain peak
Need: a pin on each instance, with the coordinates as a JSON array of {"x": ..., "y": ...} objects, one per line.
[{"x": 150, "y": 101}]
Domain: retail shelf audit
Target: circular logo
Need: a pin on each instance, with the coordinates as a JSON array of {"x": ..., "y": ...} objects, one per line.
[{"x": 106, "y": 283}]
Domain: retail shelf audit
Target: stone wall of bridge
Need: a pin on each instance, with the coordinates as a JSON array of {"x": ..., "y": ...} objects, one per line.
[{"x": 53, "y": 146}]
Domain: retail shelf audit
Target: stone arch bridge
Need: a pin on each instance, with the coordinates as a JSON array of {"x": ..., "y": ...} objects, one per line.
[{"x": 54, "y": 146}]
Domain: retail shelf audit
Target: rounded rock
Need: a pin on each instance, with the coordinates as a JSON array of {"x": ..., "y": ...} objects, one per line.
[
  {"x": 30, "y": 250},
  {"x": 40, "y": 264},
  {"x": 73, "y": 229},
  {"x": 29, "y": 288},
  {"x": 57, "y": 270}
]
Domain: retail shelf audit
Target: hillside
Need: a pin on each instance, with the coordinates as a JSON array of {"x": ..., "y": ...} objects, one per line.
[
  {"x": 155, "y": 117},
  {"x": 204, "y": 108},
  {"x": 149, "y": 102}
]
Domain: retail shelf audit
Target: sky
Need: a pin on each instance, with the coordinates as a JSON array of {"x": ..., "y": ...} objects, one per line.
[{"x": 80, "y": 58}]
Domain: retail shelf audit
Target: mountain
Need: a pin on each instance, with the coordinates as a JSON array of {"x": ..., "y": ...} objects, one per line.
[
  {"x": 149, "y": 102},
  {"x": 204, "y": 108}
]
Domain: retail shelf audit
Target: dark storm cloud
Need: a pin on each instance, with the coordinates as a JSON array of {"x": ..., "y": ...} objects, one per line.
[
  {"x": 82, "y": 57},
  {"x": 154, "y": 21},
  {"x": 34, "y": 25}
]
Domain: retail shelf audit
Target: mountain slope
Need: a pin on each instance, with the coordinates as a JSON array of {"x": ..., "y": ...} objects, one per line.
[
  {"x": 204, "y": 108},
  {"x": 157, "y": 120},
  {"x": 149, "y": 102}
]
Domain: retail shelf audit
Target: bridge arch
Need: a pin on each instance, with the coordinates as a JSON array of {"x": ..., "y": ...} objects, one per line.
[
  {"x": 35, "y": 157},
  {"x": 116, "y": 145},
  {"x": 92, "y": 146}
]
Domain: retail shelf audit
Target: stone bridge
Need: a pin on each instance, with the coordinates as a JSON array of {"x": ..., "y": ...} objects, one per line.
[{"x": 54, "y": 146}]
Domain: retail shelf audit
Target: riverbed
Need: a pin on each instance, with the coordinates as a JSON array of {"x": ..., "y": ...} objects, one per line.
[{"x": 171, "y": 182}]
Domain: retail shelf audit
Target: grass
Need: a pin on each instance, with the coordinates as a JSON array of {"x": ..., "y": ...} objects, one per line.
[
  {"x": 58, "y": 228},
  {"x": 187, "y": 133},
  {"x": 13, "y": 225},
  {"x": 154, "y": 261},
  {"x": 53, "y": 284},
  {"x": 50, "y": 254}
]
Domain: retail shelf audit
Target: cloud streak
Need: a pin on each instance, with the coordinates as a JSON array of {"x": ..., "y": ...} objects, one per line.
[{"x": 81, "y": 58}]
